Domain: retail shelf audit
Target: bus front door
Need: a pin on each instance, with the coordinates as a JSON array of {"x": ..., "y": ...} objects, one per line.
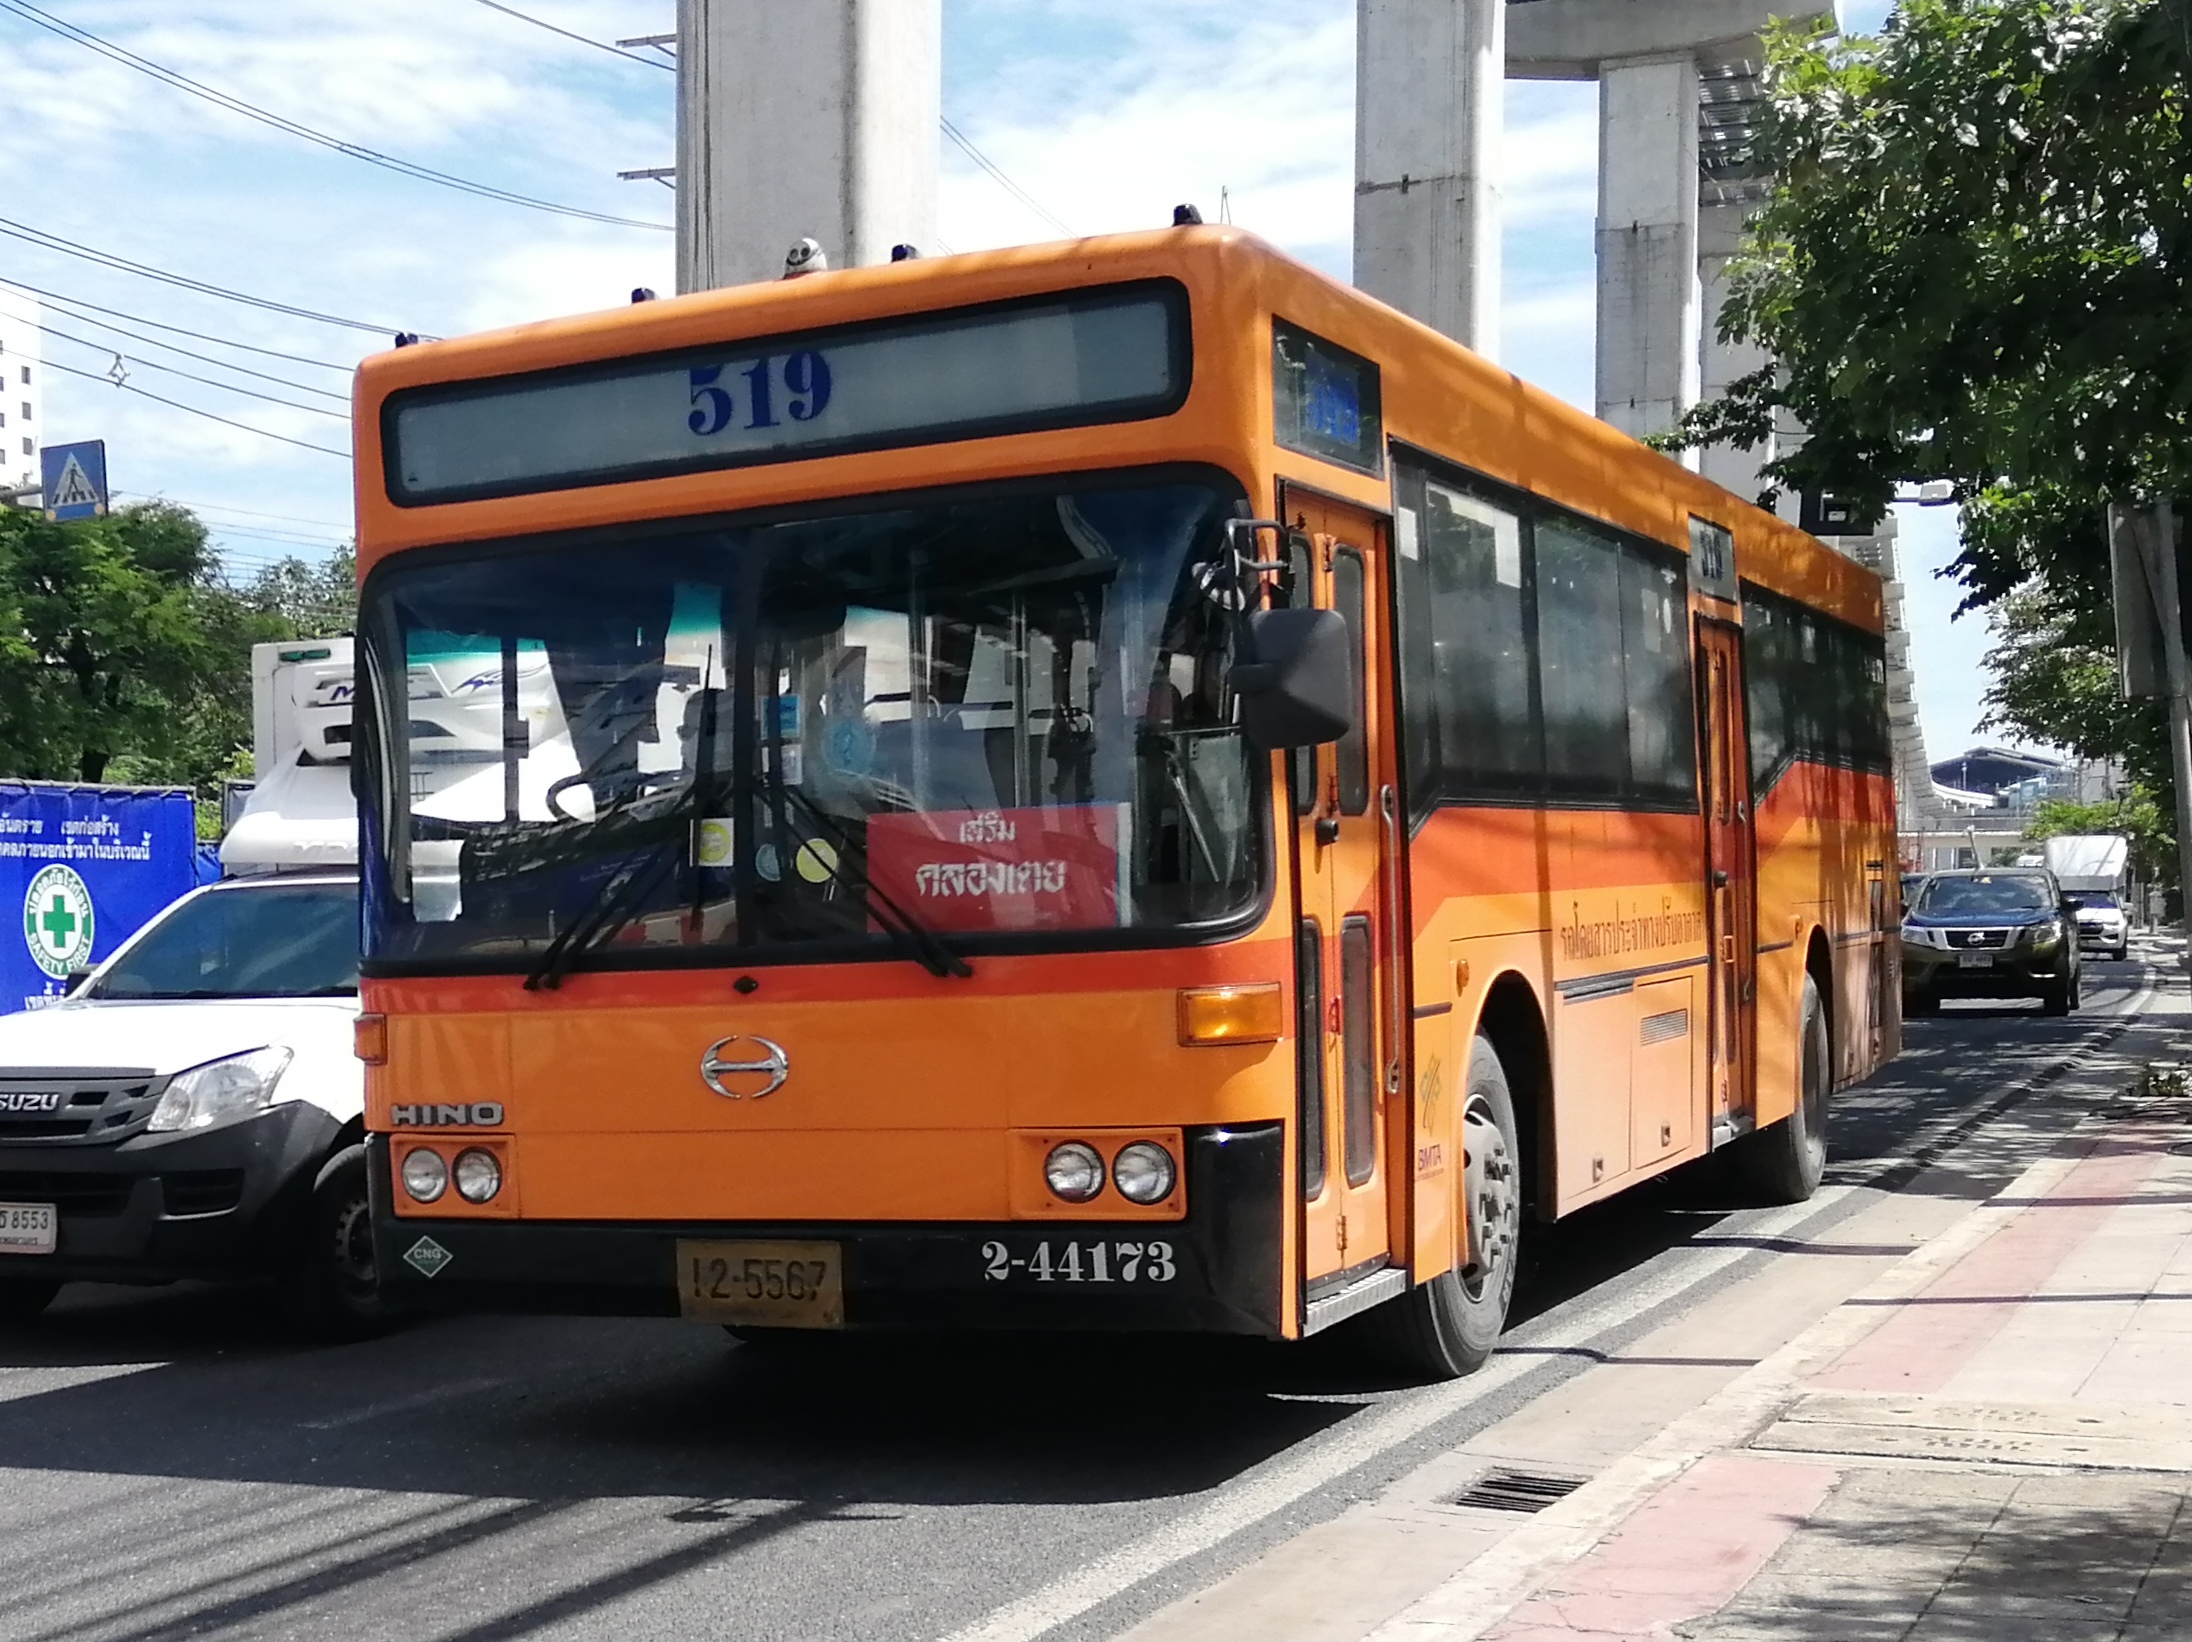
[
  {"x": 1731, "y": 896},
  {"x": 1347, "y": 820}
]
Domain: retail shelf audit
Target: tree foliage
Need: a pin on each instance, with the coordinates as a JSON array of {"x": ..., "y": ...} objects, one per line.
[{"x": 1973, "y": 268}]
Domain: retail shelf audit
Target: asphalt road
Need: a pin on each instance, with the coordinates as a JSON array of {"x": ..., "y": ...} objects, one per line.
[{"x": 172, "y": 1465}]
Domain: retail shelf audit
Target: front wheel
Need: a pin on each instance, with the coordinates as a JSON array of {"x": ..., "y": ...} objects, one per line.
[
  {"x": 2121, "y": 953},
  {"x": 331, "y": 1289},
  {"x": 1447, "y": 1327},
  {"x": 1785, "y": 1163},
  {"x": 1922, "y": 1003}
]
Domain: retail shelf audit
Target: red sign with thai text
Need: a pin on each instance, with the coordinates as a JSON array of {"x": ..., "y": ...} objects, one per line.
[{"x": 980, "y": 870}]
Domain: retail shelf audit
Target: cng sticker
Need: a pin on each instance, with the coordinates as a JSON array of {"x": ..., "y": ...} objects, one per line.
[
  {"x": 427, "y": 1257},
  {"x": 57, "y": 921}
]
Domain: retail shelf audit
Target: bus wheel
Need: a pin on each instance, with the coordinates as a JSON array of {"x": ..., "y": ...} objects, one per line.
[
  {"x": 1784, "y": 1163},
  {"x": 1446, "y": 1327},
  {"x": 330, "y": 1290},
  {"x": 23, "y": 1298}
]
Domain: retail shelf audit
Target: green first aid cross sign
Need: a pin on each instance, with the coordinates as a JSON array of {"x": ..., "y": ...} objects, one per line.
[{"x": 58, "y": 920}]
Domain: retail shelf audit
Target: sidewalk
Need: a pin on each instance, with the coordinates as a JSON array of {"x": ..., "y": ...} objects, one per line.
[{"x": 1991, "y": 1442}]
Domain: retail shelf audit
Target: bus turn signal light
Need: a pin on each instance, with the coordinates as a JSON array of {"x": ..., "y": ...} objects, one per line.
[
  {"x": 1231, "y": 1014},
  {"x": 370, "y": 1039}
]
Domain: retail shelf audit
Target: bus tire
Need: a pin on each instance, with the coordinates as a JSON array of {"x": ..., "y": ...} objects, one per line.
[
  {"x": 1785, "y": 1162},
  {"x": 329, "y": 1288},
  {"x": 23, "y": 1298},
  {"x": 1446, "y": 1327}
]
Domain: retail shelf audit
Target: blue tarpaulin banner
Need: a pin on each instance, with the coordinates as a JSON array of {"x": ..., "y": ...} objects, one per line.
[{"x": 85, "y": 868}]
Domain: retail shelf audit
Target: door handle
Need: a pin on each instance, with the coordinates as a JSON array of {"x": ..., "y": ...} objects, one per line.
[{"x": 1719, "y": 878}]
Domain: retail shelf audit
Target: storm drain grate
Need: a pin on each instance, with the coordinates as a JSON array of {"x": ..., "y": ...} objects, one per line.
[{"x": 1505, "y": 1490}]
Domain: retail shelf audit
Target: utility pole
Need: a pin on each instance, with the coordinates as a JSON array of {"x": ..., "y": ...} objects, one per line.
[
  {"x": 2161, "y": 548},
  {"x": 811, "y": 120},
  {"x": 2149, "y": 600}
]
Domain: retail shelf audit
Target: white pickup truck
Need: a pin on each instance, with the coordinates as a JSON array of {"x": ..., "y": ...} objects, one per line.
[{"x": 194, "y": 1108}]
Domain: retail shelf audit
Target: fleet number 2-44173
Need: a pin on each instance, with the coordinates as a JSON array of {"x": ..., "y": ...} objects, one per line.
[{"x": 1099, "y": 1261}]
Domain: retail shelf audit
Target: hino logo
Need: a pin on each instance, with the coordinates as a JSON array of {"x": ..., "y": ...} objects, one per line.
[
  {"x": 480, "y": 1114},
  {"x": 29, "y": 1100},
  {"x": 770, "y": 1063}
]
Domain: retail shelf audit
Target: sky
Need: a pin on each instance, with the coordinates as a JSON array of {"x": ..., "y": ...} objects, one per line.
[{"x": 1107, "y": 112}]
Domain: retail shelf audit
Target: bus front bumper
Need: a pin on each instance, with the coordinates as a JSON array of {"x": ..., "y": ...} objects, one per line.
[{"x": 1216, "y": 1271}]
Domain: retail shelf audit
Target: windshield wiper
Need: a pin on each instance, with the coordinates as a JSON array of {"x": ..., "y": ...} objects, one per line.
[
  {"x": 615, "y": 904},
  {"x": 923, "y": 943}
]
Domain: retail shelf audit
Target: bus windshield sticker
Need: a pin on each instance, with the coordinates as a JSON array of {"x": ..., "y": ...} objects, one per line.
[
  {"x": 984, "y": 870},
  {"x": 1324, "y": 400},
  {"x": 1055, "y": 362}
]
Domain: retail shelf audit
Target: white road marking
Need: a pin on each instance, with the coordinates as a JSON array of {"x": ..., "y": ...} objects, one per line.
[
  {"x": 1280, "y": 1482},
  {"x": 404, "y": 1405},
  {"x": 18, "y": 1383}
]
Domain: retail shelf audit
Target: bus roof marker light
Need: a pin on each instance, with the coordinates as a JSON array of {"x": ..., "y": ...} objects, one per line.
[
  {"x": 1187, "y": 216},
  {"x": 1212, "y": 1016},
  {"x": 1074, "y": 1172}
]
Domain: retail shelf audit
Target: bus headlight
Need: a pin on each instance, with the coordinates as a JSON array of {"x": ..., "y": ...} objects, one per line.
[
  {"x": 425, "y": 1176},
  {"x": 1143, "y": 1172},
  {"x": 1074, "y": 1172},
  {"x": 477, "y": 1174}
]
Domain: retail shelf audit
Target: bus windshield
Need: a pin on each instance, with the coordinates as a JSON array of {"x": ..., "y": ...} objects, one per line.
[{"x": 1004, "y": 715}]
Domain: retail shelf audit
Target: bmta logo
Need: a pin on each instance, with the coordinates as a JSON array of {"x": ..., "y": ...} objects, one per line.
[{"x": 57, "y": 921}]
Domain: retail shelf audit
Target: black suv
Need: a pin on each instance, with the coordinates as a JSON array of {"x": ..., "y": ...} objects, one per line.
[{"x": 1993, "y": 933}]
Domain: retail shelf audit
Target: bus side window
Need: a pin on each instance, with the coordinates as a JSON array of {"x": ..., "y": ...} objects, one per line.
[
  {"x": 1352, "y": 753},
  {"x": 1309, "y": 1053},
  {"x": 1358, "y": 1050}
]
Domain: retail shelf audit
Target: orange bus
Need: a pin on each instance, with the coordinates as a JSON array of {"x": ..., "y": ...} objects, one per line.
[{"x": 1117, "y": 785}]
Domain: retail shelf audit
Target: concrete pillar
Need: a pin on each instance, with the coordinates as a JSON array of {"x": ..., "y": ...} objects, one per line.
[
  {"x": 1719, "y": 239},
  {"x": 1648, "y": 300},
  {"x": 1430, "y": 104},
  {"x": 809, "y": 119}
]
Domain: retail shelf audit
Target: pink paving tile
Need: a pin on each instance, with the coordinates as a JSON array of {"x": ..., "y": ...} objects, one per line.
[
  {"x": 1684, "y": 1553},
  {"x": 1921, "y": 1345}
]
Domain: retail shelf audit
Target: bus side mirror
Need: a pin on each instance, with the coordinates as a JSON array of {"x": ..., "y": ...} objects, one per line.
[{"x": 1295, "y": 679}]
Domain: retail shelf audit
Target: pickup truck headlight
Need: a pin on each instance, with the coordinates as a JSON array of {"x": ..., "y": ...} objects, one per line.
[
  {"x": 231, "y": 1087},
  {"x": 1922, "y": 935}
]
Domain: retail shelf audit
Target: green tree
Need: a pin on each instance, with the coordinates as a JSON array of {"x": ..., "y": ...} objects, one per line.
[
  {"x": 1972, "y": 267},
  {"x": 311, "y": 600}
]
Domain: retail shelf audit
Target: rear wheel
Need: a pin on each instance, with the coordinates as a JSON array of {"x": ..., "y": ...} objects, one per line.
[
  {"x": 23, "y": 1298},
  {"x": 331, "y": 1289},
  {"x": 1448, "y": 1326},
  {"x": 1784, "y": 1163}
]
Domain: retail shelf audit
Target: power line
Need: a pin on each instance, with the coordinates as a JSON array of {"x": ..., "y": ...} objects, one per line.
[
  {"x": 108, "y": 259},
  {"x": 266, "y": 117},
  {"x": 192, "y": 376},
  {"x": 598, "y": 45},
  {"x": 151, "y": 364},
  {"x": 244, "y": 512},
  {"x": 177, "y": 404},
  {"x": 162, "y": 325},
  {"x": 987, "y": 164}
]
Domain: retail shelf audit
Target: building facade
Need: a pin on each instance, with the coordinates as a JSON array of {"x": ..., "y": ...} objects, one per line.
[{"x": 22, "y": 389}]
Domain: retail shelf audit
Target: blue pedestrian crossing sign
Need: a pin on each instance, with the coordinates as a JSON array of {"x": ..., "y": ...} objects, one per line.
[{"x": 75, "y": 480}]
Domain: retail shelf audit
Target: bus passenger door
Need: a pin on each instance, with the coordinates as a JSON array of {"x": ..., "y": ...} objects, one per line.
[
  {"x": 1731, "y": 893},
  {"x": 1347, "y": 818}
]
